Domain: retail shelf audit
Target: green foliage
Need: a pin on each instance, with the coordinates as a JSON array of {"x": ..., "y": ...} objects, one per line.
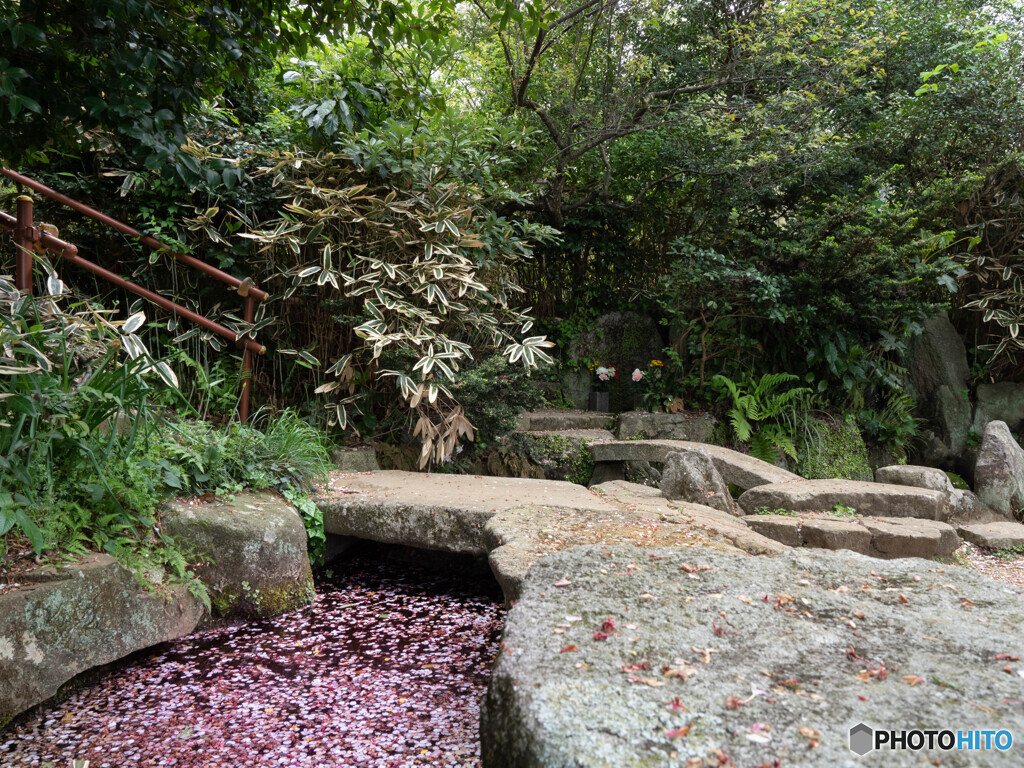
[
  {"x": 73, "y": 400},
  {"x": 754, "y": 406},
  {"x": 494, "y": 394},
  {"x": 707, "y": 296},
  {"x": 79, "y": 77},
  {"x": 1009, "y": 553},
  {"x": 778, "y": 511},
  {"x": 894, "y": 425},
  {"x": 313, "y": 519},
  {"x": 395, "y": 231}
]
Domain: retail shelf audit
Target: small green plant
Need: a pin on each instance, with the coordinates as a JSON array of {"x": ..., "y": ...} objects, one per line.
[
  {"x": 1015, "y": 552},
  {"x": 755, "y": 405},
  {"x": 842, "y": 511},
  {"x": 973, "y": 439},
  {"x": 777, "y": 511}
]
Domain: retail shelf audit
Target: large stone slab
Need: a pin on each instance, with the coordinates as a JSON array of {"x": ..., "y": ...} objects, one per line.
[
  {"x": 884, "y": 537},
  {"x": 256, "y": 563},
  {"x": 915, "y": 476},
  {"x": 618, "y": 657},
  {"x": 999, "y": 471},
  {"x": 997, "y": 535},
  {"x": 64, "y": 621},
  {"x": 695, "y": 427},
  {"x": 553, "y": 420},
  {"x": 438, "y": 511},
  {"x": 737, "y": 468},
  {"x": 874, "y": 499}
]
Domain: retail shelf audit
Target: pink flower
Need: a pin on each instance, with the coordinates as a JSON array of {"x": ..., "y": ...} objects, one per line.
[
  {"x": 603, "y": 376},
  {"x": 637, "y": 375}
]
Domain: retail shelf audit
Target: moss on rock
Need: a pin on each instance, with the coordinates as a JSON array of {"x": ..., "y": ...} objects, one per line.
[{"x": 838, "y": 451}]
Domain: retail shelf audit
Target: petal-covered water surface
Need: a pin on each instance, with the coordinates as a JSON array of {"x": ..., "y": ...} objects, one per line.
[{"x": 386, "y": 668}]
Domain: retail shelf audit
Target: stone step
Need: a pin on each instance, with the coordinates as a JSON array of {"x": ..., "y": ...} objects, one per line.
[
  {"x": 575, "y": 435},
  {"x": 998, "y": 535},
  {"x": 884, "y": 537},
  {"x": 736, "y": 468},
  {"x": 556, "y": 420},
  {"x": 355, "y": 459},
  {"x": 869, "y": 499}
]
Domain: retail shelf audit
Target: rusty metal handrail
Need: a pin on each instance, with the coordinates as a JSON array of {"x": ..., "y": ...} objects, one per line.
[
  {"x": 26, "y": 236},
  {"x": 147, "y": 240}
]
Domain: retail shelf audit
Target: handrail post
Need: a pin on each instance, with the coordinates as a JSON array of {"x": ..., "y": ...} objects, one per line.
[
  {"x": 243, "y": 405},
  {"x": 23, "y": 241}
]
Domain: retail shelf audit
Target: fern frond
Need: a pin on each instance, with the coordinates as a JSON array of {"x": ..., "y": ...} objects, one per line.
[
  {"x": 761, "y": 447},
  {"x": 740, "y": 425}
]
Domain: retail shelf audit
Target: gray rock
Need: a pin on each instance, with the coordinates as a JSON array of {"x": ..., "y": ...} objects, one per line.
[
  {"x": 355, "y": 460},
  {"x": 998, "y": 535},
  {"x": 968, "y": 508},
  {"x": 255, "y": 549},
  {"x": 937, "y": 359},
  {"x": 1002, "y": 401},
  {"x": 690, "y": 475},
  {"x": 823, "y": 533},
  {"x": 696, "y": 427},
  {"x": 555, "y": 420},
  {"x": 918, "y": 477},
  {"x": 785, "y": 529},
  {"x": 999, "y": 471},
  {"x": 910, "y": 537},
  {"x": 736, "y": 468},
  {"x": 879, "y": 499},
  {"x": 61, "y": 623},
  {"x": 803, "y": 657},
  {"x": 882, "y": 537}
]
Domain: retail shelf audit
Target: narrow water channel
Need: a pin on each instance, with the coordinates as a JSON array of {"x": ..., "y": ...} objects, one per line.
[{"x": 386, "y": 669}]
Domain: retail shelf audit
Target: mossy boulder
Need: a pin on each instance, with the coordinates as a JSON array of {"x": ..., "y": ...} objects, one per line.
[
  {"x": 254, "y": 545},
  {"x": 62, "y": 622},
  {"x": 838, "y": 451}
]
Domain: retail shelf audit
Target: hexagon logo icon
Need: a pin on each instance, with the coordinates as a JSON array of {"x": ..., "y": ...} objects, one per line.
[{"x": 862, "y": 739}]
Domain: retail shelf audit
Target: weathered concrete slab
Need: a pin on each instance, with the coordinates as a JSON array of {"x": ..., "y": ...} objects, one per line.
[
  {"x": 438, "y": 511},
  {"x": 618, "y": 656},
  {"x": 997, "y": 535},
  {"x": 737, "y": 468},
  {"x": 556, "y": 420},
  {"x": 869, "y": 499},
  {"x": 64, "y": 621},
  {"x": 257, "y": 564}
]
